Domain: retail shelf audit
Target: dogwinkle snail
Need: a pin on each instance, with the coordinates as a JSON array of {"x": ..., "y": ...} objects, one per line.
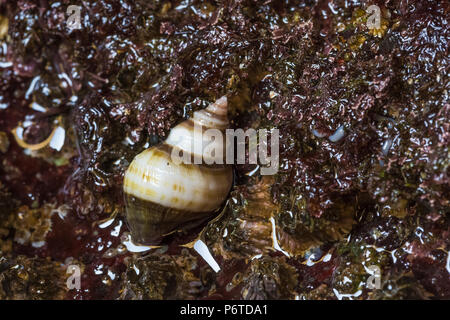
[{"x": 163, "y": 194}]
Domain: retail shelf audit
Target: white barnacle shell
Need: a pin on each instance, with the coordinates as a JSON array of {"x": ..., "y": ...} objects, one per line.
[{"x": 164, "y": 194}]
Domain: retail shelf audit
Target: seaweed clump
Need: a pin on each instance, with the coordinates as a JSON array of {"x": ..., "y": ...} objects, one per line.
[
  {"x": 269, "y": 279},
  {"x": 362, "y": 112}
]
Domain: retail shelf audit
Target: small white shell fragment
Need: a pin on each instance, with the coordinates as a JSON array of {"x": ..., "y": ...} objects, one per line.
[
  {"x": 32, "y": 86},
  {"x": 337, "y": 135},
  {"x": 318, "y": 134},
  {"x": 58, "y": 139},
  {"x": 107, "y": 223},
  {"x": 19, "y": 132},
  {"x": 5, "y": 64},
  {"x": 37, "y": 107},
  {"x": 203, "y": 251},
  {"x": 38, "y": 244},
  {"x": 327, "y": 258},
  {"x": 349, "y": 296},
  {"x": 386, "y": 146}
]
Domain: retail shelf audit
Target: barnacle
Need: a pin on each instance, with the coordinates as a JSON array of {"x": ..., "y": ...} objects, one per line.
[
  {"x": 31, "y": 278},
  {"x": 161, "y": 277},
  {"x": 299, "y": 231}
]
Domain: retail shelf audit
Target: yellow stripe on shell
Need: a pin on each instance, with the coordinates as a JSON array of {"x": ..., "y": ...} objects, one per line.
[{"x": 204, "y": 188}]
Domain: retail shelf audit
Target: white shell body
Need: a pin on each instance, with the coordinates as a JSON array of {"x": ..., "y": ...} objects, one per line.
[
  {"x": 152, "y": 177},
  {"x": 161, "y": 193}
]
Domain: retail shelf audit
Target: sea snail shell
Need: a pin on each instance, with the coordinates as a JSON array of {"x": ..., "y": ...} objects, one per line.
[{"x": 162, "y": 195}]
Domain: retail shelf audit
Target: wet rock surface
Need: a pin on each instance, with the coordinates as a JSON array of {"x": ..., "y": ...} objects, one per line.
[{"x": 363, "y": 114}]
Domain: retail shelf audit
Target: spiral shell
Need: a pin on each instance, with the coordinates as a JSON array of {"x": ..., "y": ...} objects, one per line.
[{"x": 163, "y": 195}]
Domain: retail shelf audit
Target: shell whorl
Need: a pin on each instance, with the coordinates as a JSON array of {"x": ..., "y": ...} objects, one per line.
[
  {"x": 163, "y": 193},
  {"x": 188, "y": 136},
  {"x": 214, "y": 116}
]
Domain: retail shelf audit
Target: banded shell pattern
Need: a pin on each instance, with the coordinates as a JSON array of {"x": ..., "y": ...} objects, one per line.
[{"x": 163, "y": 195}]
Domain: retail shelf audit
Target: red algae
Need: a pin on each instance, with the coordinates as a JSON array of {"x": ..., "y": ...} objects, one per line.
[{"x": 363, "y": 116}]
